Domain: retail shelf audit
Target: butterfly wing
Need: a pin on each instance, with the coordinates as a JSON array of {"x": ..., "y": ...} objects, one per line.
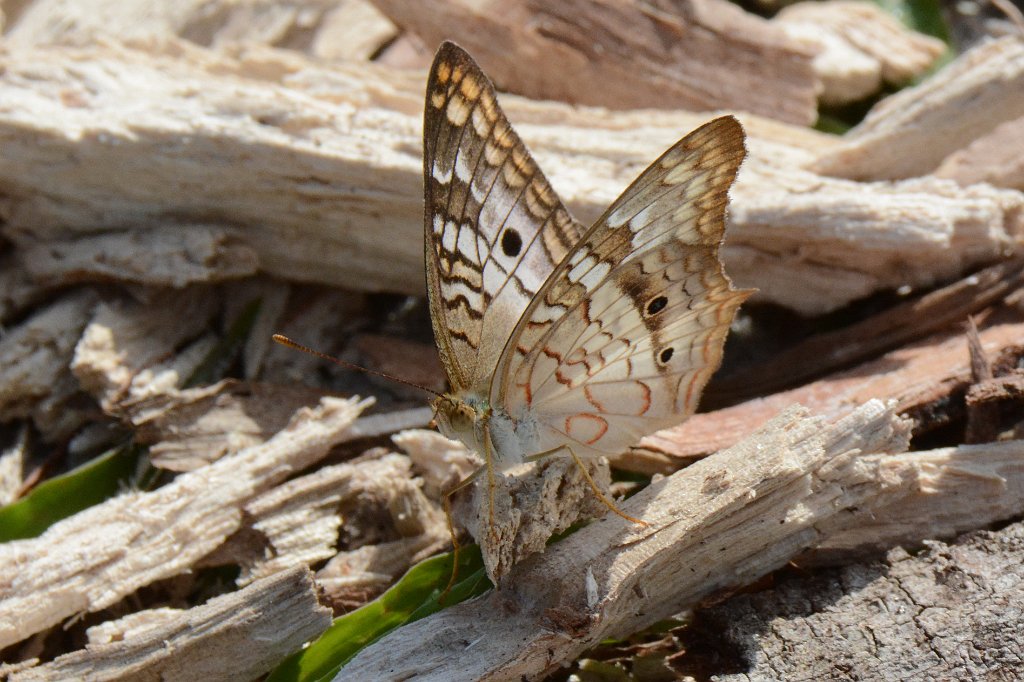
[
  {"x": 625, "y": 333},
  {"x": 494, "y": 227}
]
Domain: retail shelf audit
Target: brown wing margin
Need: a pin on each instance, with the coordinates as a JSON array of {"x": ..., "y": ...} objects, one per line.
[{"x": 494, "y": 229}]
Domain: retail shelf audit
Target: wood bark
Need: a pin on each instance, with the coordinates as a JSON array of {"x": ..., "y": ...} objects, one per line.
[{"x": 951, "y": 612}]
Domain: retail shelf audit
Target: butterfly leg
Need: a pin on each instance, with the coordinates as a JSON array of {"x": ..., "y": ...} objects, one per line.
[
  {"x": 590, "y": 480},
  {"x": 446, "y": 504}
]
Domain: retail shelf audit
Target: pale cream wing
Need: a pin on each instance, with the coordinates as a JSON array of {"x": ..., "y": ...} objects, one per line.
[
  {"x": 494, "y": 227},
  {"x": 622, "y": 338}
]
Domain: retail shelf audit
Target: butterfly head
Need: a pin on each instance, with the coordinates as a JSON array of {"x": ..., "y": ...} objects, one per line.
[{"x": 461, "y": 417}]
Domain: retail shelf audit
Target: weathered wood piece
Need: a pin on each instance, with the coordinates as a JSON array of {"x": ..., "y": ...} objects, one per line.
[
  {"x": 938, "y": 495},
  {"x": 222, "y": 24},
  {"x": 724, "y": 521},
  {"x": 236, "y": 636},
  {"x": 910, "y": 133},
  {"x": 700, "y": 55},
  {"x": 860, "y": 47},
  {"x": 336, "y": 156},
  {"x": 918, "y": 377},
  {"x": 190, "y": 253},
  {"x": 35, "y": 359},
  {"x": 104, "y": 553},
  {"x": 949, "y": 613}
]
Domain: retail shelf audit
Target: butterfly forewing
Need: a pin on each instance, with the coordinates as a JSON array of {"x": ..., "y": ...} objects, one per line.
[
  {"x": 625, "y": 333},
  {"x": 494, "y": 227}
]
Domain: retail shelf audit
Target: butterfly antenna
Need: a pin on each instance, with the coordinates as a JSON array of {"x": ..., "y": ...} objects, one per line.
[{"x": 285, "y": 341}]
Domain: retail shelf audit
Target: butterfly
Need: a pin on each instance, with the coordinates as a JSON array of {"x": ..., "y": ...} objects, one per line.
[{"x": 557, "y": 338}]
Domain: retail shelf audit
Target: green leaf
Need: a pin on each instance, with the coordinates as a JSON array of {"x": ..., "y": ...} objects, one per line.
[
  {"x": 70, "y": 493},
  {"x": 415, "y": 596}
]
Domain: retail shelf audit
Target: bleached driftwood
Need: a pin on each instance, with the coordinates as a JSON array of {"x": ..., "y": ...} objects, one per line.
[
  {"x": 918, "y": 377},
  {"x": 335, "y": 154},
  {"x": 910, "y": 133},
  {"x": 860, "y": 47},
  {"x": 718, "y": 524},
  {"x": 699, "y": 55},
  {"x": 949, "y": 613},
  {"x": 98, "y": 556},
  {"x": 236, "y": 636},
  {"x": 994, "y": 158}
]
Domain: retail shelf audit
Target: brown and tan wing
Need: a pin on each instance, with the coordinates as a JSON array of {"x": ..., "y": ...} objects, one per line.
[
  {"x": 494, "y": 227},
  {"x": 624, "y": 335}
]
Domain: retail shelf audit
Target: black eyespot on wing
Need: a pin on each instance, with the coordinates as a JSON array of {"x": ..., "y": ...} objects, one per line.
[
  {"x": 657, "y": 305},
  {"x": 666, "y": 355},
  {"x": 511, "y": 243}
]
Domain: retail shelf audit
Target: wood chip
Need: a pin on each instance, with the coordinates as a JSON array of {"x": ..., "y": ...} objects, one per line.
[
  {"x": 910, "y": 133},
  {"x": 354, "y": 30},
  {"x": 35, "y": 360},
  {"x": 939, "y": 494},
  {"x": 98, "y": 556},
  {"x": 295, "y": 24},
  {"x": 861, "y": 46},
  {"x": 123, "y": 355},
  {"x": 710, "y": 55},
  {"x": 236, "y": 636},
  {"x": 13, "y": 466},
  {"x": 894, "y": 326},
  {"x": 354, "y": 577}
]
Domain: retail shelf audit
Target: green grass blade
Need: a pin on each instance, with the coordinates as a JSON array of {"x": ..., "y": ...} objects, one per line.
[
  {"x": 70, "y": 493},
  {"x": 413, "y": 597}
]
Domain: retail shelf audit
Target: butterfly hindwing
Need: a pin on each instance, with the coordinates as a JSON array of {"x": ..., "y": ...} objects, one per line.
[
  {"x": 494, "y": 227},
  {"x": 622, "y": 338}
]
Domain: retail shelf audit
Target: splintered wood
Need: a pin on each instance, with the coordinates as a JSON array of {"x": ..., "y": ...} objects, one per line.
[
  {"x": 241, "y": 636},
  {"x": 95, "y": 558}
]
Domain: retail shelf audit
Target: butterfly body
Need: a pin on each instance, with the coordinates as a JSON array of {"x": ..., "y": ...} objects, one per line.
[
  {"x": 558, "y": 338},
  {"x": 503, "y": 440}
]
